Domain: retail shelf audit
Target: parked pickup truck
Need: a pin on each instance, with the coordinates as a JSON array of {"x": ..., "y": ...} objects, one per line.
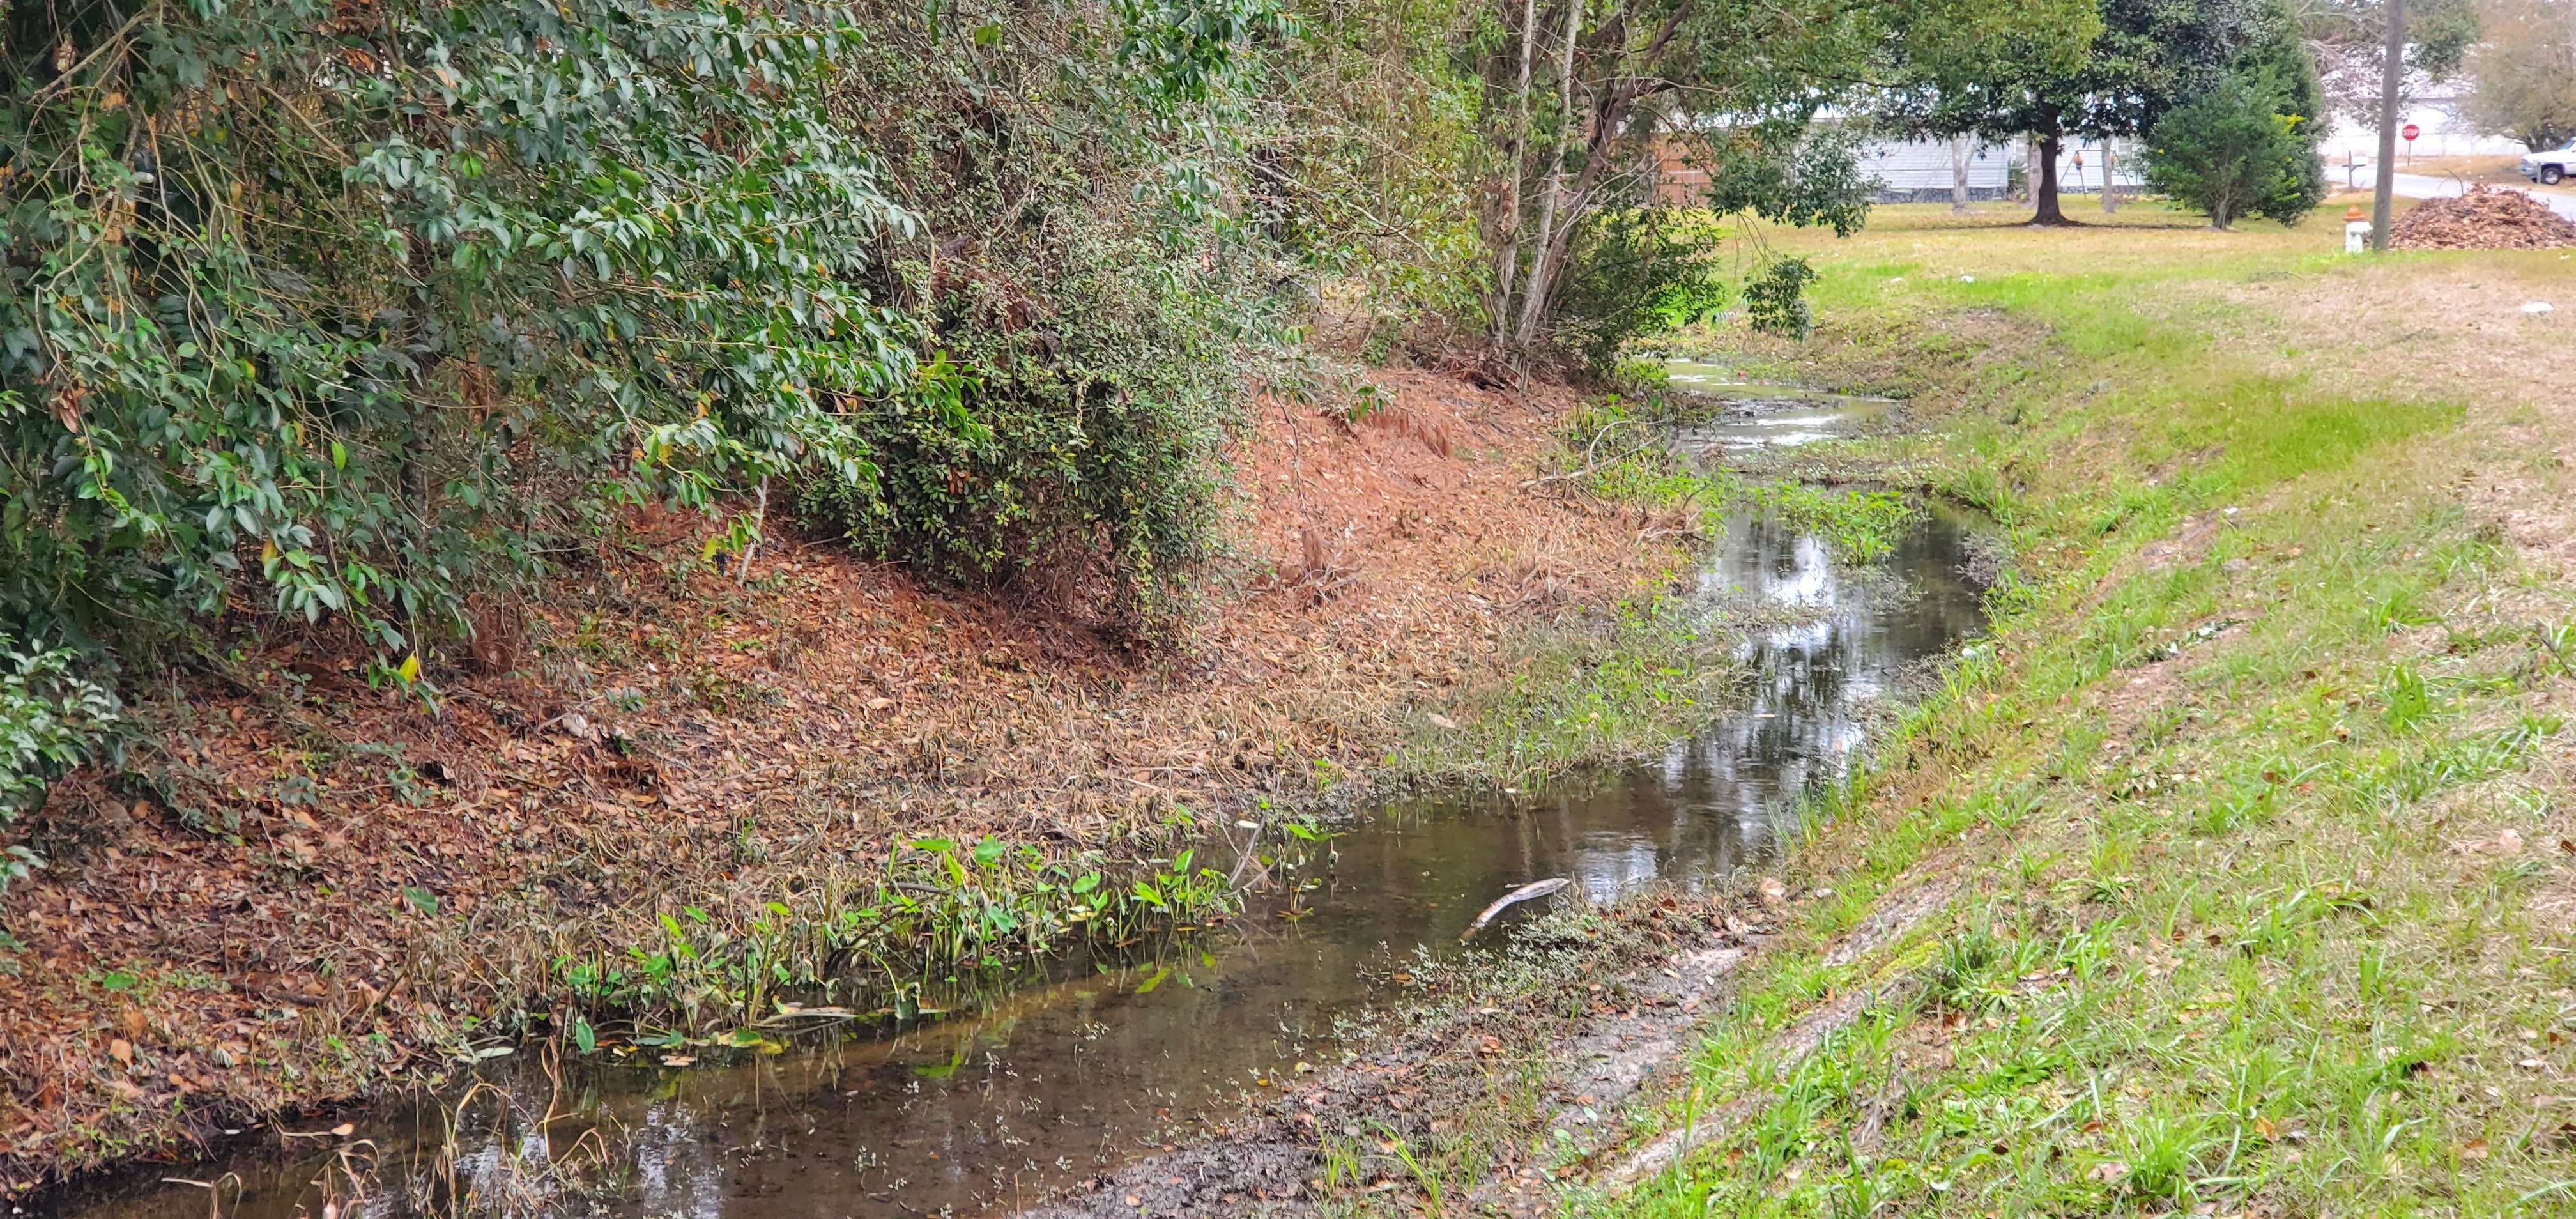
[{"x": 2550, "y": 168}]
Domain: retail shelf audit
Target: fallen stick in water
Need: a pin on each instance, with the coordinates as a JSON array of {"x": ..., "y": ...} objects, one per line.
[{"x": 1536, "y": 888}]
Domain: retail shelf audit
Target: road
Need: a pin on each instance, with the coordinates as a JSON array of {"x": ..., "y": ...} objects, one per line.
[{"x": 2417, "y": 186}]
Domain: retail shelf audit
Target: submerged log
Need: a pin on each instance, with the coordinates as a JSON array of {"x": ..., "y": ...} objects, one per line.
[{"x": 1536, "y": 888}]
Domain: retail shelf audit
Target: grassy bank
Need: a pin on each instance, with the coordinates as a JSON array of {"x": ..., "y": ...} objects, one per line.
[{"x": 2255, "y": 802}]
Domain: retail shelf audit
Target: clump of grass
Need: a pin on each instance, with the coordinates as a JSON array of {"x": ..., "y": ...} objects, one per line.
[
  {"x": 1859, "y": 526},
  {"x": 1620, "y": 449}
]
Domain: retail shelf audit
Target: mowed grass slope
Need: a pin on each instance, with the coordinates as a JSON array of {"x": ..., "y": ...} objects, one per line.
[{"x": 2257, "y": 794}]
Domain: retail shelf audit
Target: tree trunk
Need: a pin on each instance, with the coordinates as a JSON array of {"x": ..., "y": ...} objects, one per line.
[
  {"x": 1958, "y": 173},
  {"x": 1535, "y": 301},
  {"x": 2392, "y": 74},
  {"x": 1616, "y": 96},
  {"x": 1512, "y": 206},
  {"x": 2110, "y": 188},
  {"x": 2043, "y": 187},
  {"x": 1608, "y": 119}
]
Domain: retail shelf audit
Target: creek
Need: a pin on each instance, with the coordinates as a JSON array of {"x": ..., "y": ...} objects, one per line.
[
  {"x": 1040, "y": 1077},
  {"x": 1756, "y": 416}
]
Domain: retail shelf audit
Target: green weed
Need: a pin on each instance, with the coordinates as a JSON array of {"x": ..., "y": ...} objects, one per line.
[
  {"x": 1858, "y": 526},
  {"x": 939, "y": 905}
]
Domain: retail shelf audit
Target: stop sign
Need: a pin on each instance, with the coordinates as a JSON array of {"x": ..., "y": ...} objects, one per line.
[{"x": 2410, "y": 131}]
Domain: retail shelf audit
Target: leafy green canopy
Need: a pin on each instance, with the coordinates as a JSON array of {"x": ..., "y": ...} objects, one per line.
[
  {"x": 2142, "y": 57},
  {"x": 2134, "y": 60}
]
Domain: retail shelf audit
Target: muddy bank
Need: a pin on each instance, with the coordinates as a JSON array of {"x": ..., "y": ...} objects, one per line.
[
  {"x": 1502, "y": 1072},
  {"x": 307, "y": 890}
]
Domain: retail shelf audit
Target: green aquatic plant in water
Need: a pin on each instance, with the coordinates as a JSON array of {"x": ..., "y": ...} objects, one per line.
[
  {"x": 1858, "y": 526},
  {"x": 940, "y": 904}
]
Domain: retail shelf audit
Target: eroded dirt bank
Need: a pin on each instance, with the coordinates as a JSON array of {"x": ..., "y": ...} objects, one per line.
[{"x": 306, "y": 890}]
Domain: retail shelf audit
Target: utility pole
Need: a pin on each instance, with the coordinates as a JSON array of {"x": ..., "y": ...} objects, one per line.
[{"x": 2392, "y": 74}]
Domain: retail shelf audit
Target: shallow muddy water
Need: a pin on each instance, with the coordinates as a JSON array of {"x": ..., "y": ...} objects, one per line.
[
  {"x": 1061, "y": 1071},
  {"x": 1756, "y": 416}
]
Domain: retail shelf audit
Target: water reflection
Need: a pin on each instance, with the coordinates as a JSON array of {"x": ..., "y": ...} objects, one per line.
[
  {"x": 1071, "y": 1066},
  {"x": 1769, "y": 416},
  {"x": 1722, "y": 799}
]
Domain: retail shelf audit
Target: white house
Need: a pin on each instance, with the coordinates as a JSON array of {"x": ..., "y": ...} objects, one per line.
[{"x": 1922, "y": 171}]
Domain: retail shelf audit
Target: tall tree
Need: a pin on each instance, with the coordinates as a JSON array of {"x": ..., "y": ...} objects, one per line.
[
  {"x": 2248, "y": 146},
  {"x": 2523, "y": 76},
  {"x": 1732, "y": 86},
  {"x": 2349, "y": 38},
  {"x": 2143, "y": 57}
]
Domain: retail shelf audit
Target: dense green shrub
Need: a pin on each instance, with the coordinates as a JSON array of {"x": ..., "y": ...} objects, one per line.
[
  {"x": 2247, "y": 147},
  {"x": 1093, "y": 305},
  {"x": 2232, "y": 153},
  {"x": 1776, "y": 300},
  {"x": 329, "y": 309},
  {"x": 318, "y": 308},
  {"x": 1635, "y": 272},
  {"x": 51, "y": 719}
]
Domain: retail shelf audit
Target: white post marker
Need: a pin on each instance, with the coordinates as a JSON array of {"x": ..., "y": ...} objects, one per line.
[{"x": 2356, "y": 231}]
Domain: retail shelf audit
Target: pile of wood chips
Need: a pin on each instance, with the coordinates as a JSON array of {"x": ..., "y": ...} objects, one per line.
[{"x": 2486, "y": 218}]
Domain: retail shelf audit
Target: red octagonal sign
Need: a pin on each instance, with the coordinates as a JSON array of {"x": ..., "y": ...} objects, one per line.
[{"x": 2410, "y": 131}]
